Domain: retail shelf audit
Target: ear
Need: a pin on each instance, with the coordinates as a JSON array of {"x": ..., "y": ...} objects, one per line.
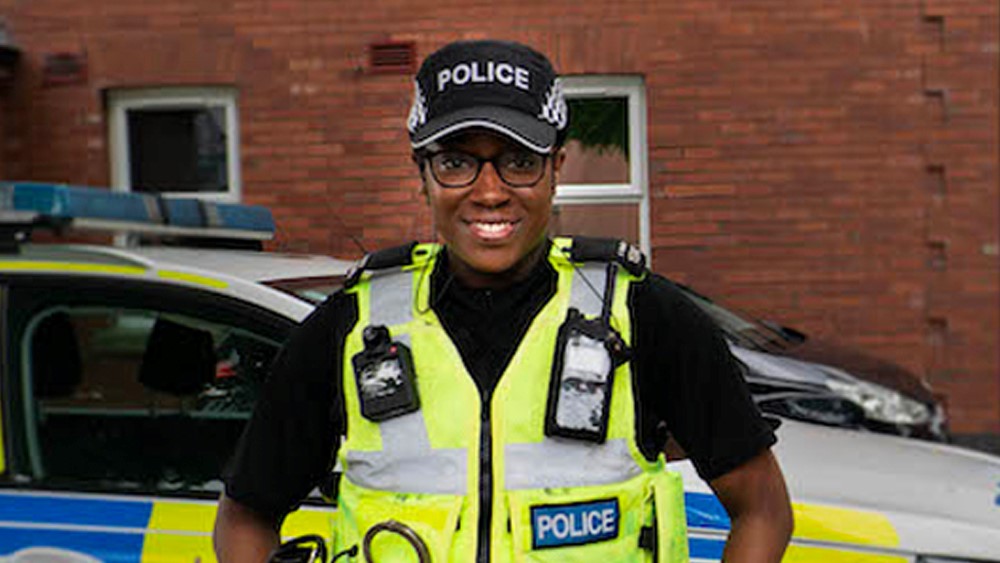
[
  {"x": 558, "y": 159},
  {"x": 424, "y": 190}
]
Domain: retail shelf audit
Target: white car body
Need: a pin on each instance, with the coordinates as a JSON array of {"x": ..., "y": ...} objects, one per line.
[{"x": 861, "y": 496}]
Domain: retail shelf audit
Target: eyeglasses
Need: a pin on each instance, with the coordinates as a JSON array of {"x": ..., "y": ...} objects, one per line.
[{"x": 456, "y": 169}]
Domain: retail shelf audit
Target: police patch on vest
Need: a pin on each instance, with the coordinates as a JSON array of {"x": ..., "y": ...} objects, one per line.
[{"x": 558, "y": 525}]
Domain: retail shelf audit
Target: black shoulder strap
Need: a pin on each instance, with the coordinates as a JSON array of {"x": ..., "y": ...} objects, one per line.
[
  {"x": 394, "y": 257},
  {"x": 593, "y": 249}
]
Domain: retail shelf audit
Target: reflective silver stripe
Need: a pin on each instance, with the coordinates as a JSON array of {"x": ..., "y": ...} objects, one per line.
[
  {"x": 391, "y": 298},
  {"x": 557, "y": 462},
  {"x": 587, "y": 289},
  {"x": 407, "y": 463}
]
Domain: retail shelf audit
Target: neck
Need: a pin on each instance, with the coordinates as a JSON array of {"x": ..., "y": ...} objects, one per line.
[{"x": 476, "y": 279}]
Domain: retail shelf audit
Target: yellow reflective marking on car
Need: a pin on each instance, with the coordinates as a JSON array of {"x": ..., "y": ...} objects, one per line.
[
  {"x": 179, "y": 529},
  {"x": 192, "y": 278},
  {"x": 844, "y": 525},
  {"x": 26, "y": 266},
  {"x": 812, "y": 554}
]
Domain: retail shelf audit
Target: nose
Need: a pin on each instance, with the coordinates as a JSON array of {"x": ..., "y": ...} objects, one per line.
[{"x": 488, "y": 189}]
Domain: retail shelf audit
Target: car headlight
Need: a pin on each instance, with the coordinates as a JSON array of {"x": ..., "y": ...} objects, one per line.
[{"x": 881, "y": 403}]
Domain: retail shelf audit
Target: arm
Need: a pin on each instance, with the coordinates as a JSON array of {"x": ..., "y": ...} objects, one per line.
[
  {"x": 756, "y": 499},
  {"x": 243, "y": 535},
  {"x": 689, "y": 383},
  {"x": 287, "y": 446}
]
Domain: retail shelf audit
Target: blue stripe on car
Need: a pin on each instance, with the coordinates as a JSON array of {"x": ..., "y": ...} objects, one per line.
[
  {"x": 44, "y": 509},
  {"x": 110, "y": 547},
  {"x": 705, "y": 511},
  {"x": 702, "y": 548}
]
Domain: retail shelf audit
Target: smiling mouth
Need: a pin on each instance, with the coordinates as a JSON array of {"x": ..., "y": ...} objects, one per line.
[{"x": 492, "y": 230}]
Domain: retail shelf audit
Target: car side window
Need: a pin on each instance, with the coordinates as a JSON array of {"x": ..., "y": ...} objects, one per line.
[{"x": 135, "y": 400}]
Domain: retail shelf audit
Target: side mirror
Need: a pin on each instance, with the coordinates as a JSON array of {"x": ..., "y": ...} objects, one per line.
[
  {"x": 787, "y": 332},
  {"x": 303, "y": 549}
]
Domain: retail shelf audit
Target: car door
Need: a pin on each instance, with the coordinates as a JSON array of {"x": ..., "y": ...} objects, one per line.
[{"x": 122, "y": 402}]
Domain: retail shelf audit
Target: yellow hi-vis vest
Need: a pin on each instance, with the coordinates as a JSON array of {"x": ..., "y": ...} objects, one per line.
[{"x": 486, "y": 484}]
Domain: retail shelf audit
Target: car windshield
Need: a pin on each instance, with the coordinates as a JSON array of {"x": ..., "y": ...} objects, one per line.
[
  {"x": 311, "y": 290},
  {"x": 743, "y": 330}
]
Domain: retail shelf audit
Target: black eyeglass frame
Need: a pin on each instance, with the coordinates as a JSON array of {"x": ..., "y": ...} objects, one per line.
[{"x": 423, "y": 157}]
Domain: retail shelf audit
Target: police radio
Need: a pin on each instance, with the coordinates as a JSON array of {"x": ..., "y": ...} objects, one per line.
[
  {"x": 385, "y": 377},
  {"x": 588, "y": 350}
]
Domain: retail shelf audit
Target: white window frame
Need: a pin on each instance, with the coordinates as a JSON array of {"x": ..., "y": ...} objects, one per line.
[
  {"x": 121, "y": 101},
  {"x": 635, "y": 191}
]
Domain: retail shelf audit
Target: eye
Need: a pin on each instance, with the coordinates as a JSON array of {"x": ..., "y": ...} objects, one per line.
[
  {"x": 520, "y": 161},
  {"x": 452, "y": 161}
]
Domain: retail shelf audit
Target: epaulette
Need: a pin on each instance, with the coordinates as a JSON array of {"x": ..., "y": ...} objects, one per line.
[
  {"x": 395, "y": 257},
  {"x": 591, "y": 249}
]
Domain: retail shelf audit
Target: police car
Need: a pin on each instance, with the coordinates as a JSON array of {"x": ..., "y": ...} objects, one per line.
[{"x": 128, "y": 372}]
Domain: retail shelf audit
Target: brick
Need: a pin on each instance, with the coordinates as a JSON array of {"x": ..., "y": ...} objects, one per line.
[{"x": 789, "y": 142}]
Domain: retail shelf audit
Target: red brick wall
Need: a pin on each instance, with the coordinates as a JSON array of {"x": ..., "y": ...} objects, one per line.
[
  {"x": 831, "y": 165},
  {"x": 961, "y": 215}
]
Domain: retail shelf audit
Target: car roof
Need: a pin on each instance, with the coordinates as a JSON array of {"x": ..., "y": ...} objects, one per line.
[
  {"x": 260, "y": 267},
  {"x": 235, "y": 273},
  {"x": 252, "y": 266}
]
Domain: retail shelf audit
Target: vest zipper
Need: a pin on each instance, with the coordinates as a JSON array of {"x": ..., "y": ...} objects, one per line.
[{"x": 485, "y": 480}]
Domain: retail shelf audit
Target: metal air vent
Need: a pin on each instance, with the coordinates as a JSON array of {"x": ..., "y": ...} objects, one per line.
[
  {"x": 64, "y": 68},
  {"x": 392, "y": 57}
]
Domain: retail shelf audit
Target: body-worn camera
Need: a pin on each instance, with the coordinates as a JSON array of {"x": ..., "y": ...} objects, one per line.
[
  {"x": 385, "y": 378},
  {"x": 587, "y": 353}
]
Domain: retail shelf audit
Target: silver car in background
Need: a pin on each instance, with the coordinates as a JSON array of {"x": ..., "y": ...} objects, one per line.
[{"x": 797, "y": 376}]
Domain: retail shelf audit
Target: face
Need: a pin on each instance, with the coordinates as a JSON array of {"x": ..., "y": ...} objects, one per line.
[{"x": 493, "y": 231}]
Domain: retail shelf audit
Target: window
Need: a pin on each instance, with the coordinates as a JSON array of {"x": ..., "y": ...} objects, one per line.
[
  {"x": 603, "y": 186},
  {"x": 135, "y": 400},
  {"x": 175, "y": 141}
]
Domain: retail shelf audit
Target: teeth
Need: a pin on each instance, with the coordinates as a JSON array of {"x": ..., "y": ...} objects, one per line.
[{"x": 492, "y": 227}]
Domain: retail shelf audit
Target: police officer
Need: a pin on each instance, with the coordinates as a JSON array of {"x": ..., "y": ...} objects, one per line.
[{"x": 502, "y": 396}]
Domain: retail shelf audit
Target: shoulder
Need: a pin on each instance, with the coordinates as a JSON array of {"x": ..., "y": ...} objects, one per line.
[
  {"x": 676, "y": 335},
  {"x": 659, "y": 298},
  {"x": 310, "y": 353},
  {"x": 330, "y": 321}
]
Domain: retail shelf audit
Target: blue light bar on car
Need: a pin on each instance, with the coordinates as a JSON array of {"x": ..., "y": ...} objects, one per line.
[{"x": 102, "y": 209}]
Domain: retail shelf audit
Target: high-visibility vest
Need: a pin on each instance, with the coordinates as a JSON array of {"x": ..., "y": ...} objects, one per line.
[{"x": 476, "y": 478}]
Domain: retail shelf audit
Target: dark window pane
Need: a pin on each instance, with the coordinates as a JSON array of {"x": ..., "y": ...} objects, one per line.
[
  {"x": 597, "y": 142},
  {"x": 130, "y": 400},
  {"x": 178, "y": 150}
]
